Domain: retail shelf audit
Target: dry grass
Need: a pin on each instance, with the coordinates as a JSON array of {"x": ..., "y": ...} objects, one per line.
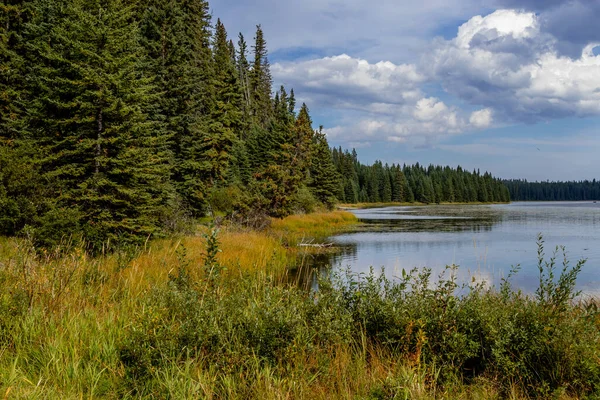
[
  {"x": 302, "y": 228},
  {"x": 76, "y": 310}
]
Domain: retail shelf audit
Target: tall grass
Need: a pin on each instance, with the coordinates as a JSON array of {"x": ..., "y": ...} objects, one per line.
[
  {"x": 180, "y": 319},
  {"x": 309, "y": 227}
]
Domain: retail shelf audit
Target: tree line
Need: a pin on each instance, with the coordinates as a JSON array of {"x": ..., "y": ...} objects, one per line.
[
  {"x": 119, "y": 119},
  {"x": 409, "y": 183},
  {"x": 523, "y": 190}
]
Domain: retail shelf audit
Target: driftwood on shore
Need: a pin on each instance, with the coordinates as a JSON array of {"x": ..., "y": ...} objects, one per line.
[{"x": 315, "y": 245}]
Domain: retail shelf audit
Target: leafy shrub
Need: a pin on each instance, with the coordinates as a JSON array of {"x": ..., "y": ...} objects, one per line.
[
  {"x": 304, "y": 201},
  {"x": 547, "y": 345}
]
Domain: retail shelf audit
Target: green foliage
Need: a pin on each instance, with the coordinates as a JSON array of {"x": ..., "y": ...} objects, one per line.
[
  {"x": 304, "y": 200},
  {"x": 434, "y": 184},
  {"x": 522, "y": 190},
  {"x": 98, "y": 146},
  {"x": 465, "y": 333},
  {"x": 260, "y": 82},
  {"x": 323, "y": 178},
  {"x": 556, "y": 292},
  {"x": 176, "y": 39},
  {"x": 21, "y": 189}
]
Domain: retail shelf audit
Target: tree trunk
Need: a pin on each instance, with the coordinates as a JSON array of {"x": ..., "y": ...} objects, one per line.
[{"x": 98, "y": 140}]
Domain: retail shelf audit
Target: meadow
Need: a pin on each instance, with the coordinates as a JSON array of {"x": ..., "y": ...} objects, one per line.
[{"x": 213, "y": 315}]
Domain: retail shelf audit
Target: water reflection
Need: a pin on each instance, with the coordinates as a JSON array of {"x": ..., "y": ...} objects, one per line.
[{"x": 485, "y": 241}]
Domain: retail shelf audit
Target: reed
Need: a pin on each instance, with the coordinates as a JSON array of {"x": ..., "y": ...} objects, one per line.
[{"x": 309, "y": 227}]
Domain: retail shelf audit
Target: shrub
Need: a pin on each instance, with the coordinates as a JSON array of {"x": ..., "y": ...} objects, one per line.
[{"x": 546, "y": 345}]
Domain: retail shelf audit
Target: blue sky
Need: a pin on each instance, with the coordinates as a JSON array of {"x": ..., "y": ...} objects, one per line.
[{"x": 507, "y": 86}]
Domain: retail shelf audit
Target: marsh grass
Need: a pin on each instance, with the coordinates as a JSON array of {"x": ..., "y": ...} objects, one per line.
[
  {"x": 180, "y": 319},
  {"x": 308, "y": 228}
]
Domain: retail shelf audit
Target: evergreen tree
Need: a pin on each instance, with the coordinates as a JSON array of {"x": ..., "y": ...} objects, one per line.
[
  {"x": 20, "y": 186},
  {"x": 260, "y": 82},
  {"x": 14, "y": 14},
  {"x": 324, "y": 179},
  {"x": 104, "y": 156},
  {"x": 176, "y": 38},
  {"x": 226, "y": 117}
]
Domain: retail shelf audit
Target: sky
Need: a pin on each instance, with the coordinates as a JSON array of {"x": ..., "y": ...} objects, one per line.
[{"x": 506, "y": 86}]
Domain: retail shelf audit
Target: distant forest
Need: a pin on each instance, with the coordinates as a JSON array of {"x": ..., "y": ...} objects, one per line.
[
  {"x": 522, "y": 190},
  {"x": 395, "y": 183},
  {"x": 124, "y": 120}
]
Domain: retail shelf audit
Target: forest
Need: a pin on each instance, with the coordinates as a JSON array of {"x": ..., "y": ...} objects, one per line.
[
  {"x": 123, "y": 120},
  {"x": 128, "y": 129},
  {"x": 434, "y": 184},
  {"x": 522, "y": 190}
]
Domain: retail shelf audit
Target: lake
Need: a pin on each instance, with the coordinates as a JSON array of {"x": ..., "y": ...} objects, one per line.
[{"x": 483, "y": 240}]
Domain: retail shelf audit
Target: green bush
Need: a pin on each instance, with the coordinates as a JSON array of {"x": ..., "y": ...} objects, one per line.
[
  {"x": 304, "y": 201},
  {"x": 547, "y": 345}
]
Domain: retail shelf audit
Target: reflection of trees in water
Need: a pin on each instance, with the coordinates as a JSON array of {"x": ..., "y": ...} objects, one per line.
[
  {"x": 311, "y": 266},
  {"x": 432, "y": 225},
  {"x": 435, "y": 219}
]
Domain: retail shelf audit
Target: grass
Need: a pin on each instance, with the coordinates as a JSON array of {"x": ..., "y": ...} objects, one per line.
[
  {"x": 309, "y": 227},
  {"x": 156, "y": 323}
]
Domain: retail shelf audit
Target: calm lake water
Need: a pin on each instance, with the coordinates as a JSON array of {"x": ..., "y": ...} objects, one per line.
[{"x": 483, "y": 240}]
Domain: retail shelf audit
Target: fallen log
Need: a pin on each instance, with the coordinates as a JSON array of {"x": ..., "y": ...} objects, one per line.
[{"x": 315, "y": 244}]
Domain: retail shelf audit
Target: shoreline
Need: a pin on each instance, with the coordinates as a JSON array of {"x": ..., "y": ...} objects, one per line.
[{"x": 363, "y": 206}]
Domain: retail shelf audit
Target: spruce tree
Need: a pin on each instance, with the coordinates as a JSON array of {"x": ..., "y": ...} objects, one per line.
[
  {"x": 102, "y": 153},
  {"x": 20, "y": 186},
  {"x": 176, "y": 38},
  {"x": 226, "y": 117},
  {"x": 260, "y": 82},
  {"x": 324, "y": 179}
]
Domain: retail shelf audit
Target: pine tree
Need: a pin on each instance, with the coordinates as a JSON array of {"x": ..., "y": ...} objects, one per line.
[
  {"x": 260, "y": 82},
  {"x": 14, "y": 14},
  {"x": 104, "y": 156},
  {"x": 324, "y": 179},
  {"x": 176, "y": 38},
  {"x": 226, "y": 118},
  {"x": 243, "y": 69},
  {"x": 20, "y": 186}
]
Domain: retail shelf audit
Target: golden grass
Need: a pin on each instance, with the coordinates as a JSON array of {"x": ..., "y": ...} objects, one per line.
[
  {"x": 122, "y": 274},
  {"x": 68, "y": 346},
  {"x": 317, "y": 226}
]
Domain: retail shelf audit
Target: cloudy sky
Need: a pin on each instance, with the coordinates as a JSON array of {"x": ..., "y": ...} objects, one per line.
[{"x": 508, "y": 86}]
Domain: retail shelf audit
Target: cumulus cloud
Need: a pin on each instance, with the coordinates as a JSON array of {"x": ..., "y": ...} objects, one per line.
[
  {"x": 381, "y": 101},
  {"x": 572, "y": 22},
  {"x": 507, "y": 66},
  {"x": 344, "y": 77},
  {"x": 481, "y": 119},
  {"x": 503, "y": 61},
  {"x": 422, "y": 123}
]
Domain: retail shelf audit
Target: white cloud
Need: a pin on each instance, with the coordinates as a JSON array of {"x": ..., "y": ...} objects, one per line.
[
  {"x": 424, "y": 122},
  {"x": 344, "y": 77},
  {"x": 505, "y": 63},
  {"x": 481, "y": 119},
  {"x": 502, "y": 63},
  {"x": 380, "y": 101},
  {"x": 498, "y": 24}
]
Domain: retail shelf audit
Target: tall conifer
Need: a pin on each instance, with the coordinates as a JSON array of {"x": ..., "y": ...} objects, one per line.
[
  {"x": 176, "y": 36},
  {"x": 102, "y": 152}
]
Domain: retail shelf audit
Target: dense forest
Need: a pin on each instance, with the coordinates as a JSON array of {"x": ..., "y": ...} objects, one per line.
[
  {"x": 122, "y": 120},
  {"x": 434, "y": 184},
  {"x": 522, "y": 190}
]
